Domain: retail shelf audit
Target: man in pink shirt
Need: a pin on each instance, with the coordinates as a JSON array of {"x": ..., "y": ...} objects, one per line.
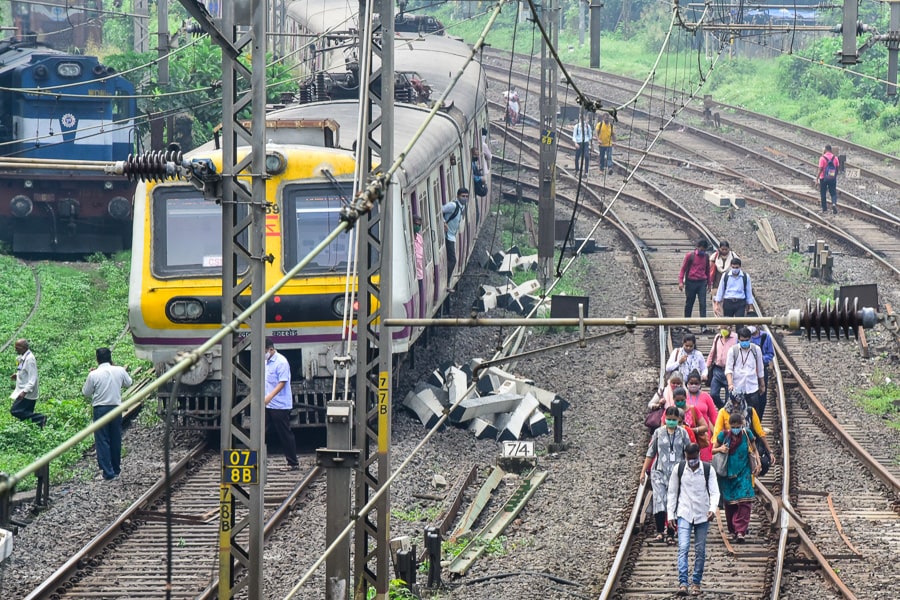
[
  {"x": 693, "y": 278},
  {"x": 827, "y": 178},
  {"x": 715, "y": 363}
]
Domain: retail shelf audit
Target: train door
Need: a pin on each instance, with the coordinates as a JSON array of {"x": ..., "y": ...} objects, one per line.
[
  {"x": 426, "y": 286},
  {"x": 435, "y": 202}
]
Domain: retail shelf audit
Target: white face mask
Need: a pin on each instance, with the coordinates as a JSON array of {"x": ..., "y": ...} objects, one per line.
[{"x": 735, "y": 271}]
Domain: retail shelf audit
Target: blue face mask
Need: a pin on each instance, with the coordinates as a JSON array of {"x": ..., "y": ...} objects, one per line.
[
  {"x": 693, "y": 462},
  {"x": 745, "y": 344}
]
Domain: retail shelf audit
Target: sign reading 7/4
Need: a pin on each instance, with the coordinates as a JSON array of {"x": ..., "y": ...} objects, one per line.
[{"x": 240, "y": 467}]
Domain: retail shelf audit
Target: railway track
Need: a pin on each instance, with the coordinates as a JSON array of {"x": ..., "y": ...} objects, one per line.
[
  {"x": 128, "y": 559},
  {"x": 645, "y": 570}
]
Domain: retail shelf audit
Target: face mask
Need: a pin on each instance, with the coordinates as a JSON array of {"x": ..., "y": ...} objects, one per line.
[
  {"x": 671, "y": 423},
  {"x": 745, "y": 344},
  {"x": 693, "y": 462},
  {"x": 694, "y": 388},
  {"x": 681, "y": 403},
  {"x": 417, "y": 228},
  {"x": 735, "y": 271},
  {"x": 725, "y": 333}
]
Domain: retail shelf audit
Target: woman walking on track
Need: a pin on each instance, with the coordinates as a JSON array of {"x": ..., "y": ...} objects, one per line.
[
  {"x": 667, "y": 447},
  {"x": 737, "y": 486}
]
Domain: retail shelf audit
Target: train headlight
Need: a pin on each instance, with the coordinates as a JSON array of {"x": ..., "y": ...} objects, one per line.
[
  {"x": 107, "y": 185},
  {"x": 119, "y": 208},
  {"x": 275, "y": 163},
  {"x": 339, "y": 304},
  {"x": 21, "y": 206},
  {"x": 29, "y": 184},
  {"x": 68, "y": 69},
  {"x": 40, "y": 72},
  {"x": 184, "y": 309}
]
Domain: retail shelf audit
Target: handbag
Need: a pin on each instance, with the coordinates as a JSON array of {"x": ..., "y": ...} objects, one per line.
[
  {"x": 654, "y": 418},
  {"x": 765, "y": 458},
  {"x": 755, "y": 464},
  {"x": 720, "y": 463},
  {"x": 702, "y": 438}
]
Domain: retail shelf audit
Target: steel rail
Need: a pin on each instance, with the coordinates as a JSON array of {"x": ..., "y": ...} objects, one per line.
[
  {"x": 71, "y": 566},
  {"x": 277, "y": 517},
  {"x": 839, "y": 432}
]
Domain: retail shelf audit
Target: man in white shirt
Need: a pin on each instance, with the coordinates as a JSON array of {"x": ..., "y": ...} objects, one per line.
[
  {"x": 582, "y": 136},
  {"x": 104, "y": 387},
  {"x": 693, "y": 496},
  {"x": 25, "y": 396},
  {"x": 745, "y": 369}
]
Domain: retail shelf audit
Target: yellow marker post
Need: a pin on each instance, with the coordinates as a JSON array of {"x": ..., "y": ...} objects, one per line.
[
  {"x": 226, "y": 522},
  {"x": 384, "y": 416}
]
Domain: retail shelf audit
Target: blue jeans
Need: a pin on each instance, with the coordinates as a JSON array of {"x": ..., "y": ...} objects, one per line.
[
  {"x": 582, "y": 155},
  {"x": 684, "y": 543},
  {"x": 606, "y": 157},
  {"x": 108, "y": 440},
  {"x": 717, "y": 383}
]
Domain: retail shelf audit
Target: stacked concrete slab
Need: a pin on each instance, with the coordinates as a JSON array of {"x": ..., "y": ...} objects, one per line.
[
  {"x": 518, "y": 298},
  {"x": 502, "y": 406}
]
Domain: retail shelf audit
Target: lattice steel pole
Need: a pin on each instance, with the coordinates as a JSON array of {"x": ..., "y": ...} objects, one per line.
[
  {"x": 373, "y": 374},
  {"x": 243, "y": 247}
]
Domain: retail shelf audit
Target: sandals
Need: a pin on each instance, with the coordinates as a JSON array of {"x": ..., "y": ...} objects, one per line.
[
  {"x": 660, "y": 538},
  {"x": 670, "y": 541}
]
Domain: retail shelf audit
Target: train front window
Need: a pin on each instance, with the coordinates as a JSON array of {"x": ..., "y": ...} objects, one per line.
[
  {"x": 311, "y": 212},
  {"x": 187, "y": 233}
]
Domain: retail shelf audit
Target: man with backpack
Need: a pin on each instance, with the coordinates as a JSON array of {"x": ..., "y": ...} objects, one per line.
[
  {"x": 735, "y": 292},
  {"x": 693, "y": 496},
  {"x": 693, "y": 278},
  {"x": 452, "y": 213},
  {"x": 764, "y": 341},
  {"x": 827, "y": 178}
]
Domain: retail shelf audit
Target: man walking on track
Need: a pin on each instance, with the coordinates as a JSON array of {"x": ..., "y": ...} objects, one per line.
[
  {"x": 827, "y": 178},
  {"x": 693, "y": 278},
  {"x": 735, "y": 294},
  {"x": 693, "y": 496},
  {"x": 279, "y": 403},
  {"x": 25, "y": 396}
]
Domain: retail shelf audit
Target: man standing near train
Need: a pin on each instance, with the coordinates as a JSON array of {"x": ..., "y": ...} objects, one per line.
[
  {"x": 279, "y": 402},
  {"x": 452, "y": 213},
  {"x": 104, "y": 387}
]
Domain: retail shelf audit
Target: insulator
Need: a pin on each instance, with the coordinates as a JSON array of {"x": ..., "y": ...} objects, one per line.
[
  {"x": 152, "y": 166},
  {"x": 321, "y": 94},
  {"x": 832, "y": 317}
]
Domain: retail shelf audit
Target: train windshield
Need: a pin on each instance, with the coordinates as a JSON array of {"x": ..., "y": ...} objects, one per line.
[
  {"x": 311, "y": 212},
  {"x": 187, "y": 232}
]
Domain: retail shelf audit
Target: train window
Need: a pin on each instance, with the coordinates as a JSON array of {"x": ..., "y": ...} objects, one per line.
[
  {"x": 310, "y": 212},
  {"x": 187, "y": 233}
]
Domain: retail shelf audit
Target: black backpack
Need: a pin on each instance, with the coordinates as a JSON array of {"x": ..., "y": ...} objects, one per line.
[{"x": 706, "y": 469}]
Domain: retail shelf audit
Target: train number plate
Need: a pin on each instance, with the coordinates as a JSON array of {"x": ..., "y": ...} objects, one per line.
[{"x": 240, "y": 467}]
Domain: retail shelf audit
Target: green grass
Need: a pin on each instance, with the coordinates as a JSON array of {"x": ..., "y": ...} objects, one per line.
[
  {"x": 416, "y": 514},
  {"x": 83, "y": 306},
  {"x": 883, "y": 398},
  {"x": 16, "y": 295}
]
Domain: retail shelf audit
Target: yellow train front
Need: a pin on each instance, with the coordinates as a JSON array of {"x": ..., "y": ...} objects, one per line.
[{"x": 175, "y": 294}]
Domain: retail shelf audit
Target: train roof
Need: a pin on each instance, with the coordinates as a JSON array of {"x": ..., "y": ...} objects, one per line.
[
  {"x": 14, "y": 54},
  {"x": 320, "y": 16},
  {"x": 441, "y": 134}
]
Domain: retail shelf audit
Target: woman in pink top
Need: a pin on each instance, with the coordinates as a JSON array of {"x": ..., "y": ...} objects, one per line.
[{"x": 700, "y": 414}]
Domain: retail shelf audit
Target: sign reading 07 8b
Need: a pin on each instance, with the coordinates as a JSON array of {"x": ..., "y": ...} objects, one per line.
[{"x": 240, "y": 467}]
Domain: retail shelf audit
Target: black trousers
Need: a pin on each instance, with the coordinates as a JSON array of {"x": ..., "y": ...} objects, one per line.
[
  {"x": 23, "y": 409},
  {"x": 694, "y": 289},
  {"x": 451, "y": 260},
  {"x": 734, "y": 307},
  {"x": 279, "y": 419}
]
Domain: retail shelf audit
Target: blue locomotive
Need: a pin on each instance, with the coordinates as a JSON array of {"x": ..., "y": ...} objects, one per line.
[{"x": 62, "y": 117}]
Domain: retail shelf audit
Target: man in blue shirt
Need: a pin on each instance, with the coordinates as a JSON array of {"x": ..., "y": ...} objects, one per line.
[
  {"x": 452, "y": 213},
  {"x": 279, "y": 402},
  {"x": 735, "y": 292},
  {"x": 764, "y": 341}
]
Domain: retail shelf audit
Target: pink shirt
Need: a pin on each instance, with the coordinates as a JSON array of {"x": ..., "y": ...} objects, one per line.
[
  {"x": 719, "y": 350},
  {"x": 698, "y": 267},
  {"x": 824, "y": 160}
]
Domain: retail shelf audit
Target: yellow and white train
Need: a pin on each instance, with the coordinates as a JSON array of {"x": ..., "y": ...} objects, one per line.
[{"x": 175, "y": 296}]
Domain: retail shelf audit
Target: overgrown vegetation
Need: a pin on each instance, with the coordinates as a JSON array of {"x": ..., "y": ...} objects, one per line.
[
  {"x": 16, "y": 295},
  {"x": 800, "y": 82},
  {"x": 883, "y": 398},
  {"x": 83, "y": 306},
  {"x": 416, "y": 514}
]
